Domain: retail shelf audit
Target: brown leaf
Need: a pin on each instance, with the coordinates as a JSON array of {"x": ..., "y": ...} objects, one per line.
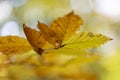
[
  {"x": 13, "y": 44},
  {"x": 35, "y": 38},
  {"x": 49, "y": 34}
]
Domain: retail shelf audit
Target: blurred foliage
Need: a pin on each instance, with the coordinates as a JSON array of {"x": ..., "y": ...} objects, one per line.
[{"x": 34, "y": 67}]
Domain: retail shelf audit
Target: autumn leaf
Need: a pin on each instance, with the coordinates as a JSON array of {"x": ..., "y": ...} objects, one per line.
[
  {"x": 13, "y": 44},
  {"x": 61, "y": 29},
  {"x": 66, "y": 26},
  {"x": 49, "y": 34},
  {"x": 35, "y": 38},
  {"x": 84, "y": 40},
  {"x": 62, "y": 34}
]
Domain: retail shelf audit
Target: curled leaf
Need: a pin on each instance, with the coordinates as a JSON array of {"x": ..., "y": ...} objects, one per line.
[
  {"x": 49, "y": 34},
  {"x": 35, "y": 38}
]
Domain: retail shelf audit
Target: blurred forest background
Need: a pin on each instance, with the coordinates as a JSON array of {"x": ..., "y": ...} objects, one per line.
[{"x": 99, "y": 16}]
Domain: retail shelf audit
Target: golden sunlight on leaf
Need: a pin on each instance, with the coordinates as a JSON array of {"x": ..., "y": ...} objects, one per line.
[
  {"x": 13, "y": 44},
  {"x": 84, "y": 40},
  {"x": 62, "y": 34},
  {"x": 60, "y": 29},
  {"x": 66, "y": 51},
  {"x": 66, "y": 26}
]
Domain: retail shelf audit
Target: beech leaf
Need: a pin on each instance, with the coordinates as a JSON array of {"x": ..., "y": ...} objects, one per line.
[
  {"x": 49, "y": 34},
  {"x": 14, "y": 44},
  {"x": 60, "y": 29},
  {"x": 66, "y": 26},
  {"x": 84, "y": 40},
  {"x": 35, "y": 38},
  {"x": 62, "y": 34}
]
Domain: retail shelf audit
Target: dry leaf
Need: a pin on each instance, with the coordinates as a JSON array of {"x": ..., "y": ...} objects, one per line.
[
  {"x": 62, "y": 33},
  {"x": 61, "y": 29},
  {"x": 13, "y": 44},
  {"x": 35, "y": 38},
  {"x": 49, "y": 34},
  {"x": 66, "y": 26}
]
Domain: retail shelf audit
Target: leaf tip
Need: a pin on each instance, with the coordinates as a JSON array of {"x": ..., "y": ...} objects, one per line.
[
  {"x": 24, "y": 25},
  {"x": 38, "y": 21},
  {"x": 71, "y": 13}
]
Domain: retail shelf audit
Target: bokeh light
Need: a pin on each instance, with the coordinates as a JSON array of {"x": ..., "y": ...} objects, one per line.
[
  {"x": 109, "y": 8},
  {"x": 82, "y": 6},
  {"x": 10, "y": 28},
  {"x": 5, "y": 10}
]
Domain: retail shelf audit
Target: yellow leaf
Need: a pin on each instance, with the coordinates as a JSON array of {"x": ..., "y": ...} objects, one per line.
[
  {"x": 13, "y": 44},
  {"x": 66, "y": 26},
  {"x": 60, "y": 29},
  {"x": 67, "y": 51},
  {"x": 84, "y": 40},
  {"x": 48, "y": 46},
  {"x": 62, "y": 34}
]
